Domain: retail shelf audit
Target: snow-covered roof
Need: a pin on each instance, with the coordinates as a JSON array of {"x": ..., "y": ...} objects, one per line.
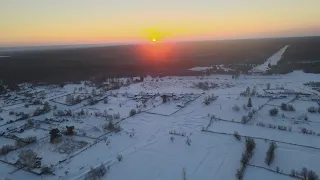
[
  {"x": 256, "y": 70},
  {"x": 198, "y": 68}
]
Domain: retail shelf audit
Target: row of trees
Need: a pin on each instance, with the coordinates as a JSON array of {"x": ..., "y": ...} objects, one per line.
[
  {"x": 209, "y": 98},
  {"x": 19, "y": 143},
  {"x": 249, "y": 92},
  {"x": 304, "y": 174},
  {"x": 313, "y": 109},
  {"x": 270, "y": 153},
  {"x": 287, "y": 107},
  {"x": 246, "y": 156},
  {"x": 72, "y": 99},
  {"x": 45, "y": 109}
]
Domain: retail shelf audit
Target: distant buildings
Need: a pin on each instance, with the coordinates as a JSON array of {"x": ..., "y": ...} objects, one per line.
[{"x": 256, "y": 71}]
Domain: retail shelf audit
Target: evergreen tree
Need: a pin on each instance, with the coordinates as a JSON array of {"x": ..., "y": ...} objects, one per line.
[
  {"x": 248, "y": 91},
  {"x": 54, "y": 134},
  {"x": 249, "y": 104},
  {"x": 164, "y": 98},
  {"x": 270, "y": 153}
]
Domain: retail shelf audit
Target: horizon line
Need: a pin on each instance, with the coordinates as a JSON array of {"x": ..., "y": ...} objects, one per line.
[{"x": 88, "y": 45}]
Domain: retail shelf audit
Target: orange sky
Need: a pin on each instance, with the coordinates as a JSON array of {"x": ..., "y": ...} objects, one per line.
[{"x": 37, "y": 22}]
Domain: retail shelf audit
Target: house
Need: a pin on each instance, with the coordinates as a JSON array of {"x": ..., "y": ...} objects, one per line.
[
  {"x": 288, "y": 91},
  {"x": 256, "y": 71},
  {"x": 180, "y": 105}
]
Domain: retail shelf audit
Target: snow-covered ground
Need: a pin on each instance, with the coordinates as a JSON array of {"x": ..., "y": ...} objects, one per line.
[
  {"x": 273, "y": 60},
  {"x": 148, "y": 148}
]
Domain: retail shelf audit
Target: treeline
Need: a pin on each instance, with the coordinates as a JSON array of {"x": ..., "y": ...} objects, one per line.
[
  {"x": 284, "y": 67},
  {"x": 300, "y": 55},
  {"x": 58, "y": 66}
]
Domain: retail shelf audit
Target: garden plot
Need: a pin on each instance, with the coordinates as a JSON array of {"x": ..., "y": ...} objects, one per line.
[
  {"x": 6, "y": 141},
  {"x": 292, "y": 120},
  {"x": 146, "y": 101},
  {"x": 46, "y": 125},
  {"x": 78, "y": 88},
  {"x": 115, "y": 105},
  {"x": 13, "y": 106},
  {"x": 23, "y": 108},
  {"x": 49, "y": 93},
  {"x": 277, "y": 102},
  {"x": 253, "y": 173},
  {"x": 222, "y": 108},
  {"x": 173, "y": 104},
  {"x": 263, "y": 115},
  {"x": 71, "y": 99},
  {"x": 17, "y": 112},
  {"x": 5, "y": 117},
  {"x": 302, "y": 107},
  {"x": 166, "y": 109},
  {"x": 39, "y": 133},
  {"x": 119, "y": 98},
  {"x": 6, "y": 103},
  {"x": 266, "y": 133},
  {"x": 287, "y": 157},
  {"x": 13, "y": 126},
  {"x": 90, "y": 126},
  {"x": 162, "y": 86},
  {"x": 46, "y": 116},
  {"x": 51, "y": 114},
  {"x": 52, "y": 153},
  {"x": 92, "y": 131}
]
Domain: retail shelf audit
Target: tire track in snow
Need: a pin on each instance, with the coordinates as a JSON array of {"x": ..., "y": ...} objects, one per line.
[
  {"x": 201, "y": 162},
  {"x": 223, "y": 162}
]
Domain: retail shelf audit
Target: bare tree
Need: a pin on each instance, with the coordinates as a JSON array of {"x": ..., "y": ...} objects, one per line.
[
  {"x": 270, "y": 153},
  {"x": 248, "y": 91},
  {"x": 268, "y": 85},
  {"x": 28, "y": 158},
  {"x": 249, "y": 104},
  {"x": 184, "y": 174}
]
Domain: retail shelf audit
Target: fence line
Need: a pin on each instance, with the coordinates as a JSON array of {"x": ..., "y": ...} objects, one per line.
[
  {"x": 283, "y": 142},
  {"x": 274, "y": 171}
]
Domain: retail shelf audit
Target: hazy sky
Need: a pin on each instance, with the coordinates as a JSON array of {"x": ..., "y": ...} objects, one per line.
[{"x": 35, "y": 22}]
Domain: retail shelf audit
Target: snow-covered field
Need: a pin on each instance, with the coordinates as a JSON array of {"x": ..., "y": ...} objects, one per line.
[
  {"x": 273, "y": 60},
  {"x": 205, "y": 148}
]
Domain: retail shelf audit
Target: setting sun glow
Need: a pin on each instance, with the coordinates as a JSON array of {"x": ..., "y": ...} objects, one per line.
[{"x": 126, "y": 21}]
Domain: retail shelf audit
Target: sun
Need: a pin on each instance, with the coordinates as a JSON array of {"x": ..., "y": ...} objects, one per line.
[{"x": 154, "y": 40}]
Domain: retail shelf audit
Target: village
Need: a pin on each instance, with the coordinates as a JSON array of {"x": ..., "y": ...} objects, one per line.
[{"x": 75, "y": 130}]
